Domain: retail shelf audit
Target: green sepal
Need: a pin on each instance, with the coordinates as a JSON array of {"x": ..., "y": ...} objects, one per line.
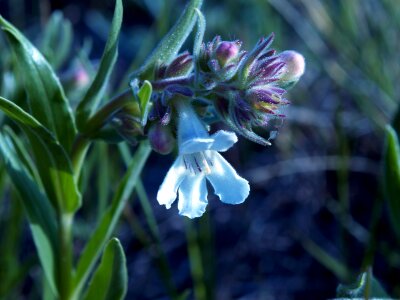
[{"x": 144, "y": 97}]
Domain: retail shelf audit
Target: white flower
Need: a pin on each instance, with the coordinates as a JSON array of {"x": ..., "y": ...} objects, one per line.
[{"x": 199, "y": 160}]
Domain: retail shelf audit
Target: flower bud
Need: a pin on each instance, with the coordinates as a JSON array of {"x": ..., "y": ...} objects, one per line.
[
  {"x": 294, "y": 66},
  {"x": 182, "y": 65},
  {"x": 226, "y": 52},
  {"x": 161, "y": 139}
]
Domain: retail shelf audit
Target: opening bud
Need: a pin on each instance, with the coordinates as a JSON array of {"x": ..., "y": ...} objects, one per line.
[
  {"x": 161, "y": 138},
  {"x": 226, "y": 52},
  {"x": 294, "y": 66}
]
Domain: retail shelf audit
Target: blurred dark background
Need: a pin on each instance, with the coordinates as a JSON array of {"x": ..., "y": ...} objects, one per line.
[{"x": 316, "y": 213}]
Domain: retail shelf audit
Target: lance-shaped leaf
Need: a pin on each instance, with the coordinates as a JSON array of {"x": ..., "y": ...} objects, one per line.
[
  {"x": 169, "y": 46},
  {"x": 392, "y": 177},
  {"x": 201, "y": 28},
  {"x": 111, "y": 277},
  {"x": 53, "y": 164},
  {"x": 57, "y": 39},
  {"x": 110, "y": 218},
  {"x": 47, "y": 100},
  {"x": 91, "y": 100},
  {"x": 40, "y": 214}
]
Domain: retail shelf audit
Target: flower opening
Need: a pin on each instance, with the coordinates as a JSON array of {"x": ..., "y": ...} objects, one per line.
[{"x": 198, "y": 161}]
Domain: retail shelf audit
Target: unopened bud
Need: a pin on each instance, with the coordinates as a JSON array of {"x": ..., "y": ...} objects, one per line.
[
  {"x": 226, "y": 52},
  {"x": 161, "y": 139},
  {"x": 180, "y": 66},
  {"x": 294, "y": 66}
]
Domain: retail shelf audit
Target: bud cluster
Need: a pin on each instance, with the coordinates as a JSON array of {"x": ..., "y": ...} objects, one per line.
[{"x": 242, "y": 89}]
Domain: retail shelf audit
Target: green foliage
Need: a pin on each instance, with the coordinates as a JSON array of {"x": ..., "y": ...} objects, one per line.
[
  {"x": 38, "y": 209},
  {"x": 57, "y": 40},
  {"x": 201, "y": 28},
  {"x": 52, "y": 161},
  {"x": 96, "y": 91},
  {"x": 47, "y": 101},
  {"x": 391, "y": 180},
  {"x": 111, "y": 217},
  {"x": 110, "y": 279},
  {"x": 48, "y": 185},
  {"x": 169, "y": 46}
]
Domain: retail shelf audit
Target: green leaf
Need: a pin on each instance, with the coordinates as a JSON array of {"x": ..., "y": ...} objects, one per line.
[
  {"x": 201, "y": 28},
  {"x": 47, "y": 100},
  {"x": 111, "y": 277},
  {"x": 91, "y": 101},
  {"x": 53, "y": 164},
  {"x": 22, "y": 153},
  {"x": 10, "y": 240},
  {"x": 111, "y": 217},
  {"x": 366, "y": 287},
  {"x": 40, "y": 213},
  {"x": 169, "y": 46},
  {"x": 145, "y": 104},
  {"x": 392, "y": 177},
  {"x": 57, "y": 39}
]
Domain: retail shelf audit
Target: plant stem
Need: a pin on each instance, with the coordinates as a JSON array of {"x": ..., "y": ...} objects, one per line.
[
  {"x": 107, "y": 111},
  {"x": 65, "y": 256},
  {"x": 93, "y": 125},
  {"x": 196, "y": 264},
  {"x": 79, "y": 150}
]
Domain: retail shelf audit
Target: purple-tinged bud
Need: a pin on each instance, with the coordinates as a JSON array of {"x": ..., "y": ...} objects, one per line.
[
  {"x": 227, "y": 51},
  {"x": 161, "y": 139},
  {"x": 268, "y": 71},
  {"x": 267, "y": 54},
  {"x": 262, "y": 95},
  {"x": 294, "y": 66},
  {"x": 182, "y": 65},
  {"x": 249, "y": 64}
]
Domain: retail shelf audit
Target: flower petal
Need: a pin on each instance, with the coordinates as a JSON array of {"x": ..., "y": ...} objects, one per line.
[
  {"x": 228, "y": 185},
  {"x": 189, "y": 125},
  {"x": 167, "y": 192},
  {"x": 195, "y": 145},
  {"x": 193, "y": 196},
  {"x": 223, "y": 140}
]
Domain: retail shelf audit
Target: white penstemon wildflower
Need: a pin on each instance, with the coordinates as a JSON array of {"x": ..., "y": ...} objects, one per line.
[{"x": 197, "y": 161}]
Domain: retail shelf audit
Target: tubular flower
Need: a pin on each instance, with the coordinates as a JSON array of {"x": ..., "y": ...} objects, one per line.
[{"x": 198, "y": 161}]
